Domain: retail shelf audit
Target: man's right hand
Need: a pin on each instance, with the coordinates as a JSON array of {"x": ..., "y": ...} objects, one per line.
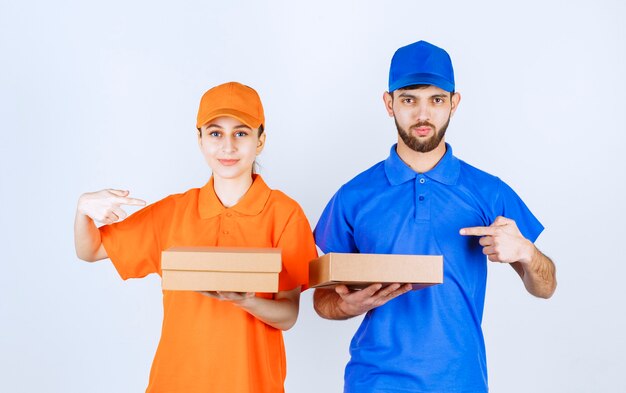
[
  {"x": 105, "y": 206},
  {"x": 353, "y": 303}
]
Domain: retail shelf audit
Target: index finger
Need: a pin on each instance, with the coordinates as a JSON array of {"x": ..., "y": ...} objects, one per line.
[
  {"x": 478, "y": 231},
  {"x": 130, "y": 201}
]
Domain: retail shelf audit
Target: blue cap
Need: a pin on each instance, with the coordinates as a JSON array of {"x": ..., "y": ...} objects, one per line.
[{"x": 421, "y": 63}]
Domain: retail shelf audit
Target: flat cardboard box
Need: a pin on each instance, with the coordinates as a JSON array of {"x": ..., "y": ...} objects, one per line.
[
  {"x": 358, "y": 271},
  {"x": 236, "y": 269}
]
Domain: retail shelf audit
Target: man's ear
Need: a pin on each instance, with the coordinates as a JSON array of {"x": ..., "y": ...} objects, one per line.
[
  {"x": 388, "y": 100},
  {"x": 455, "y": 99}
]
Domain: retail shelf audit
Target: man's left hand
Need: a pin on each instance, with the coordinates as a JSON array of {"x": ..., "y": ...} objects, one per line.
[{"x": 502, "y": 241}]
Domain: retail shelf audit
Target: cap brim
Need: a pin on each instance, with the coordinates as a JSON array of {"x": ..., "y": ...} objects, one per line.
[
  {"x": 245, "y": 118},
  {"x": 422, "y": 79}
]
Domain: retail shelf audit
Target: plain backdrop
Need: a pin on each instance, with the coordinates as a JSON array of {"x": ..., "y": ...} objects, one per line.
[{"x": 104, "y": 94}]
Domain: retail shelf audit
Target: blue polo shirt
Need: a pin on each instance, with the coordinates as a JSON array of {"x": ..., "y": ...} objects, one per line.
[{"x": 428, "y": 340}]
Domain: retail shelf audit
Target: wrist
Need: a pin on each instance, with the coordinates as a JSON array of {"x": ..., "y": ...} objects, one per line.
[
  {"x": 528, "y": 253},
  {"x": 80, "y": 206}
]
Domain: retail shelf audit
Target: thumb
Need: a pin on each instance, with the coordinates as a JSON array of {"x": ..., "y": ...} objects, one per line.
[
  {"x": 342, "y": 290},
  {"x": 500, "y": 221},
  {"x": 121, "y": 193}
]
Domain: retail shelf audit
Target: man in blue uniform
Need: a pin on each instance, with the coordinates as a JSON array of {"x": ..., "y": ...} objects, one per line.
[{"x": 424, "y": 200}]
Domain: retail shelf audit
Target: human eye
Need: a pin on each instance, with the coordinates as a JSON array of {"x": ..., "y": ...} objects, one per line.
[
  {"x": 407, "y": 100},
  {"x": 438, "y": 100},
  {"x": 214, "y": 134},
  {"x": 240, "y": 134}
]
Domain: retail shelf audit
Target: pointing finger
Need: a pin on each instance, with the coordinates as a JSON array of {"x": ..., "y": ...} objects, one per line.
[
  {"x": 477, "y": 231},
  {"x": 121, "y": 193},
  {"x": 131, "y": 201}
]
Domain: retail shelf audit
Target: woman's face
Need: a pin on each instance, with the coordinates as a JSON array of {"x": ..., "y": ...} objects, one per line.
[{"x": 230, "y": 147}]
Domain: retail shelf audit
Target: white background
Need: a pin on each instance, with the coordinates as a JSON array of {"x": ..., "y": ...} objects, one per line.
[{"x": 104, "y": 94}]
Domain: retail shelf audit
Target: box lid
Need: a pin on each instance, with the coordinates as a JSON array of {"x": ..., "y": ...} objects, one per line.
[{"x": 232, "y": 259}]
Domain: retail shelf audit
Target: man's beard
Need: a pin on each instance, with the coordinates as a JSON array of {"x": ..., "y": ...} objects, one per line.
[{"x": 422, "y": 146}]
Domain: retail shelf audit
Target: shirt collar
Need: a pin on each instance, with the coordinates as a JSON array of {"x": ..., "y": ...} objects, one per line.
[
  {"x": 446, "y": 171},
  {"x": 251, "y": 204}
]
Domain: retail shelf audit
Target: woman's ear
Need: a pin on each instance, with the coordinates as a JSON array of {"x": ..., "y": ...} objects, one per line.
[{"x": 260, "y": 144}]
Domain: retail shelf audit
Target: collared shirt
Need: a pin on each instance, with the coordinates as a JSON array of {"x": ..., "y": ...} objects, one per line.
[
  {"x": 428, "y": 340},
  {"x": 207, "y": 345}
]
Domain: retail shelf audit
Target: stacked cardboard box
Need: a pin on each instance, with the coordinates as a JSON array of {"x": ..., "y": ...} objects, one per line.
[{"x": 221, "y": 269}]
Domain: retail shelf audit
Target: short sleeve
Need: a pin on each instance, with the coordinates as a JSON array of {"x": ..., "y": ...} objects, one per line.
[
  {"x": 298, "y": 249},
  {"x": 333, "y": 232},
  {"x": 510, "y": 205},
  {"x": 132, "y": 244}
]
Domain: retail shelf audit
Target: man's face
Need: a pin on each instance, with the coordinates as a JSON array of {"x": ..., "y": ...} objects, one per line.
[{"x": 422, "y": 115}]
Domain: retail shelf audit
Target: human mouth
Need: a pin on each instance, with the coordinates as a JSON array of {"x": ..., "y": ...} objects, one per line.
[
  {"x": 228, "y": 162},
  {"x": 422, "y": 130}
]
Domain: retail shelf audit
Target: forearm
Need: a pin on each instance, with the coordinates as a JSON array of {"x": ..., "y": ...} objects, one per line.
[
  {"x": 280, "y": 313},
  {"x": 87, "y": 240},
  {"x": 327, "y": 304},
  {"x": 538, "y": 273}
]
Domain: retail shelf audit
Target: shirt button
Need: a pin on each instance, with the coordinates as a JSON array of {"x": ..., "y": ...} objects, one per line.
[
  {"x": 422, "y": 181},
  {"x": 421, "y": 198},
  {"x": 225, "y": 232},
  {"x": 229, "y": 214}
]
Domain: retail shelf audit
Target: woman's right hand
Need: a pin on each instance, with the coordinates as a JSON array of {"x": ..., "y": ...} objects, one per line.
[{"x": 105, "y": 206}]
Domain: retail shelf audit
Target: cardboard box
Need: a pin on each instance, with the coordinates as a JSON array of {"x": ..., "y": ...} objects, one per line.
[
  {"x": 234, "y": 269},
  {"x": 360, "y": 270}
]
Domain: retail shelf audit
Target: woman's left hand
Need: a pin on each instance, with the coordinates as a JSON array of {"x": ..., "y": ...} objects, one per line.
[{"x": 228, "y": 296}]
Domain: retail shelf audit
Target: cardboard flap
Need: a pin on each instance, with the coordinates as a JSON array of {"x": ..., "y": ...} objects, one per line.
[{"x": 229, "y": 259}]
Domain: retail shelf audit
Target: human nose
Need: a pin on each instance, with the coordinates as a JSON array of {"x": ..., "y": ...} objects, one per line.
[
  {"x": 422, "y": 112},
  {"x": 229, "y": 146}
]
